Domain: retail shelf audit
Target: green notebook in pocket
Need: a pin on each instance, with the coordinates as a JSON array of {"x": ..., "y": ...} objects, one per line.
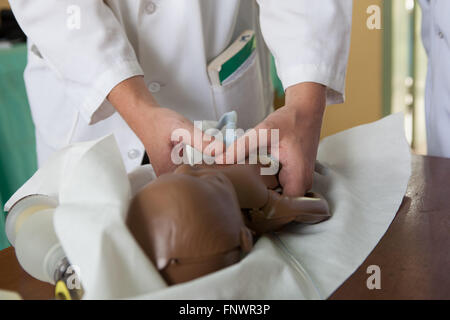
[{"x": 223, "y": 66}]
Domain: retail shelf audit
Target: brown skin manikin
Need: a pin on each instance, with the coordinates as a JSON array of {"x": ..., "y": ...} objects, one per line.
[
  {"x": 194, "y": 221},
  {"x": 265, "y": 209},
  {"x": 189, "y": 225}
]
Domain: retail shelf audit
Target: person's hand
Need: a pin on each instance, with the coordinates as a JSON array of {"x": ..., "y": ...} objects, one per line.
[
  {"x": 155, "y": 125},
  {"x": 299, "y": 123},
  {"x": 160, "y": 142}
]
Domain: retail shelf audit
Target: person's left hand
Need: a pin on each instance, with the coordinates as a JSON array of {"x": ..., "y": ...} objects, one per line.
[{"x": 299, "y": 123}]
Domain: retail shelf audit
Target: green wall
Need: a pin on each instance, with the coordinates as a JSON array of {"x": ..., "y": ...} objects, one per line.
[{"x": 18, "y": 151}]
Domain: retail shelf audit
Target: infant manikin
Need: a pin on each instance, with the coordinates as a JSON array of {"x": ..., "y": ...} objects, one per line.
[{"x": 200, "y": 219}]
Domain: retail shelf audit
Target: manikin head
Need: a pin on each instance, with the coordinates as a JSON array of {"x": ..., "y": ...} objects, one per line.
[
  {"x": 189, "y": 224},
  {"x": 194, "y": 221}
]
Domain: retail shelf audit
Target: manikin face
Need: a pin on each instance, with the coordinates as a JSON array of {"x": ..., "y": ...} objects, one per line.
[{"x": 189, "y": 223}]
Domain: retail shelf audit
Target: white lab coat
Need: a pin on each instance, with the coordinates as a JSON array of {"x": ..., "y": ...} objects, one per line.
[
  {"x": 71, "y": 70},
  {"x": 436, "y": 40}
]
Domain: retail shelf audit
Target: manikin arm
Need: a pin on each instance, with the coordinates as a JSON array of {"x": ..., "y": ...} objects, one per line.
[{"x": 265, "y": 209}]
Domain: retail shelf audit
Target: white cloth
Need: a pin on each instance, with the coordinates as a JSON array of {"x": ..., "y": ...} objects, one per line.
[
  {"x": 365, "y": 177},
  {"x": 71, "y": 70},
  {"x": 436, "y": 40}
]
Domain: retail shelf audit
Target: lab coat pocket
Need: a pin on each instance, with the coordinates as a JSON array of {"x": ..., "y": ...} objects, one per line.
[{"x": 242, "y": 91}]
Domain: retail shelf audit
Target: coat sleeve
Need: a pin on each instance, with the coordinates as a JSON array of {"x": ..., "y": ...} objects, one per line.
[
  {"x": 84, "y": 44},
  {"x": 310, "y": 41}
]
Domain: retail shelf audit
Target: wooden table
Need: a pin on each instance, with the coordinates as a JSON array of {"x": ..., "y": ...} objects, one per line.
[{"x": 413, "y": 255}]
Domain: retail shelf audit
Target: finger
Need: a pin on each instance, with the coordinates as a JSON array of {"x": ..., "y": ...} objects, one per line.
[
  {"x": 292, "y": 175},
  {"x": 201, "y": 141},
  {"x": 214, "y": 148},
  {"x": 248, "y": 145},
  {"x": 159, "y": 161}
]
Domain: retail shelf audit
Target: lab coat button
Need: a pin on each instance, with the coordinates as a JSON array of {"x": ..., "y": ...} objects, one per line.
[
  {"x": 133, "y": 153},
  {"x": 441, "y": 35},
  {"x": 150, "y": 7},
  {"x": 154, "y": 87}
]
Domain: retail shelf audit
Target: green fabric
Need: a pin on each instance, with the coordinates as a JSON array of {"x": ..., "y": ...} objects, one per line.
[{"x": 18, "y": 150}]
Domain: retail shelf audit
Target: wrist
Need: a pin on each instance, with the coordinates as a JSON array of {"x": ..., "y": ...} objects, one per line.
[
  {"x": 131, "y": 93},
  {"x": 307, "y": 99},
  {"x": 135, "y": 104}
]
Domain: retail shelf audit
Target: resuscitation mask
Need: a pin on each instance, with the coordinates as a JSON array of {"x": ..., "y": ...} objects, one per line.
[{"x": 29, "y": 228}]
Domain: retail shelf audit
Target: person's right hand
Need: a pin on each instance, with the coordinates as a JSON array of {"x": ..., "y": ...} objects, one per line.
[
  {"x": 155, "y": 125},
  {"x": 159, "y": 142}
]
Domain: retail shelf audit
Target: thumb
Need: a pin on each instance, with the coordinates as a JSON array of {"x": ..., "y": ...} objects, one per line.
[{"x": 248, "y": 144}]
